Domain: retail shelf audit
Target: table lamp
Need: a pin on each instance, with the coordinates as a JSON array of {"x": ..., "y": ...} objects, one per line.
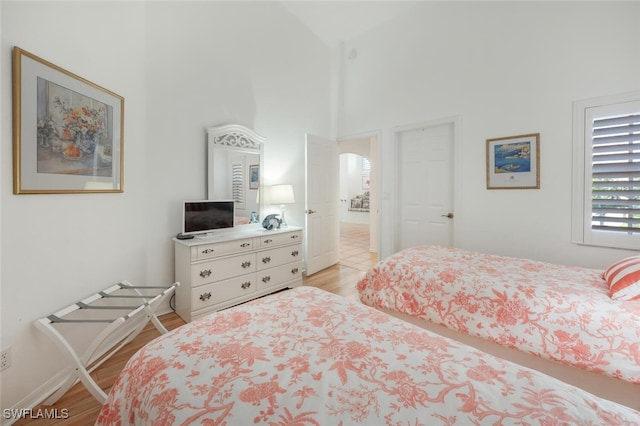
[{"x": 282, "y": 195}]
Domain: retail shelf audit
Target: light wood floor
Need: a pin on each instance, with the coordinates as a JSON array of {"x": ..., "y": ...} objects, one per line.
[{"x": 340, "y": 279}]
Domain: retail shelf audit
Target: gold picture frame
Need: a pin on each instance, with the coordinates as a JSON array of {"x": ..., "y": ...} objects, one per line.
[
  {"x": 513, "y": 162},
  {"x": 68, "y": 133}
]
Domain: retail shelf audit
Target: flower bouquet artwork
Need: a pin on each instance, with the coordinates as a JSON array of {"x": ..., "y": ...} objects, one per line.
[
  {"x": 72, "y": 132},
  {"x": 83, "y": 125},
  {"x": 69, "y": 131}
]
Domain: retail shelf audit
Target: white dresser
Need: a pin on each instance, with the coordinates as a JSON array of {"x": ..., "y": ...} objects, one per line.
[{"x": 232, "y": 267}]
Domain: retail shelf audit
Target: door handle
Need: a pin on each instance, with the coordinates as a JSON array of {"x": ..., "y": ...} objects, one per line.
[
  {"x": 448, "y": 215},
  {"x": 310, "y": 211}
]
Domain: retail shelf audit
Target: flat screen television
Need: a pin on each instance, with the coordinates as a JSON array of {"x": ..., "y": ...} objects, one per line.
[{"x": 201, "y": 217}]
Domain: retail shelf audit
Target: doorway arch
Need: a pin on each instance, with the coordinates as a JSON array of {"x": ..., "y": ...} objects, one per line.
[{"x": 367, "y": 145}]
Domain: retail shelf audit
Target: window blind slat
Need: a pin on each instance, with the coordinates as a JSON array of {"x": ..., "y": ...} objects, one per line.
[
  {"x": 606, "y": 140},
  {"x": 604, "y": 185},
  {"x": 618, "y": 157},
  {"x": 623, "y": 146},
  {"x": 622, "y": 169},
  {"x": 607, "y": 131},
  {"x": 613, "y": 192},
  {"x": 623, "y": 204},
  {"x": 614, "y": 229},
  {"x": 617, "y": 220},
  {"x": 617, "y": 121},
  {"x": 602, "y": 210}
]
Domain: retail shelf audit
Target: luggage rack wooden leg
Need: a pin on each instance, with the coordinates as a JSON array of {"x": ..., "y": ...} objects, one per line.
[{"x": 123, "y": 329}]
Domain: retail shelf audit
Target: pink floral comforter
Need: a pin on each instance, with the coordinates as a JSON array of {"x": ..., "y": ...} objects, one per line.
[
  {"x": 556, "y": 312},
  {"x": 308, "y": 357}
]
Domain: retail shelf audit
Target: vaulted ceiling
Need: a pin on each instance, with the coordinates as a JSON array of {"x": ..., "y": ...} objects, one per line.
[{"x": 336, "y": 21}]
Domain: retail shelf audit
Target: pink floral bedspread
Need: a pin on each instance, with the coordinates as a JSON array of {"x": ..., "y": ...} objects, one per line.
[
  {"x": 308, "y": 357},
  {"x": 556, "y": 312}
]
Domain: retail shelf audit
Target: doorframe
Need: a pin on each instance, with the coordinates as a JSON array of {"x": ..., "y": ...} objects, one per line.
[
  {"x": 378, "y": 167},
  {"x": 456, "y": 123}
]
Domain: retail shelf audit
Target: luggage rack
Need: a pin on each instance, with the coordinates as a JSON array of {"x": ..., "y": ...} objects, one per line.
[{"x": 124, "y": 308}]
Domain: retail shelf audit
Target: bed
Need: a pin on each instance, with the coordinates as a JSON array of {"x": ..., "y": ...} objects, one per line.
[
  {"x": 308, "y": 357},
  {"x": 558, "y": 319}
]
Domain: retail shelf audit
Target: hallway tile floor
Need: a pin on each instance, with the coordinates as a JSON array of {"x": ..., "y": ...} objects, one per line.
[{"x": 354, "y": 247}]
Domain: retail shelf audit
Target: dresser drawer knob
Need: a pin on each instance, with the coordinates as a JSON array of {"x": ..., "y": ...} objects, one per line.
[
  {"x": 295, "y": 236},
  {"x": 294, "y": 271},
  {"x": 268, "y": 240},
  {"x": 266, "y": 259},
  {"x": 205, "y": 296},
  {"x": 245, "y": 285},
  {"x": 207, "y": 251},
  {"x": 246, "y": 264},
  {"x": 294, "y": 253},
  {"x": 245, "y": 244},
  {"x": 266, "y": 279},
  {"x": 205, "y": 273}
]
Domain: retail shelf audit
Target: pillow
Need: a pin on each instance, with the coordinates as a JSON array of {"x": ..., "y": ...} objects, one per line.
[{"x": 623, "y": 279}]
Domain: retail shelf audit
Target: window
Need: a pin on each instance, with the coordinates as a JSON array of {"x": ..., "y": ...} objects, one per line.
[
  {"x": 606, "y": 178},
  {"x": 237, "y": 184},
  {"x": 365, "y": 165}
]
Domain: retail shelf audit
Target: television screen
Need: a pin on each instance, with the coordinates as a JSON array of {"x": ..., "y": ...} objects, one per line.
[{"x": 200, "y": 217}]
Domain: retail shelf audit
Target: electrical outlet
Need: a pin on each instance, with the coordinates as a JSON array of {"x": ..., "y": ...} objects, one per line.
[{"x": 5, "y": 359}]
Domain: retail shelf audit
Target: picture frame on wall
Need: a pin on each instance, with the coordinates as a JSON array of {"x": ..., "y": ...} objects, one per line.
[
  {"x": 68, "y": 133},
  {"x": 513, "y": 162},
  {"x": 254, "y": 176},
  {"x": 366, "y": 182}
]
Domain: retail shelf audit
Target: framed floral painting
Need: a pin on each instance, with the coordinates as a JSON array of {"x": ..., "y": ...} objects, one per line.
[{"x": 67, "y": 131}]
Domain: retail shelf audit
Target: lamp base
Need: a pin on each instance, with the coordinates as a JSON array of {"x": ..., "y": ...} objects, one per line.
[{"x": 283, "y": 223}]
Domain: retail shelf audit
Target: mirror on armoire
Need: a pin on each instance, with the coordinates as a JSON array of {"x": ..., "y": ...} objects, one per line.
[{"x": 234, "y": 169}]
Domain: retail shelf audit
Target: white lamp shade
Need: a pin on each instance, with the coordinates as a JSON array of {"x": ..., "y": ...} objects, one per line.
[{"x": 281, "y": 194}]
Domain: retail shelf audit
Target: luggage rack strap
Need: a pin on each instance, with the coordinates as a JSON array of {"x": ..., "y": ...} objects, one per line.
[
  {"x": 124, "y": 296},
  {"x": 83, "y": 305},
  {"x": 126, "y": 285},
  {"x": 56, "y": 319}
]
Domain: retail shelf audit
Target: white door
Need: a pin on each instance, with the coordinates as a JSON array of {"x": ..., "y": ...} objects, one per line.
[
  {"x": 322, "y": 227},
  {"x": 425, "y": 186}
]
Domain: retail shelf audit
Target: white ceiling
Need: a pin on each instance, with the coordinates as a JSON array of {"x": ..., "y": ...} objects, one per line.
[{"x": 335, "y": 21}]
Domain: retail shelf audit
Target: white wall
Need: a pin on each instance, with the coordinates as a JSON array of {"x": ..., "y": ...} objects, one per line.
[
  {"x": 212, "y": 63},
  {"x": 181, "y": 67},
  {"x": 507, "y": 68},
  {"x": 58, "y": 248}
]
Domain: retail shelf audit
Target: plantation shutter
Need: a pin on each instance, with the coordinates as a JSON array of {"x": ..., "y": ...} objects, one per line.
[
  {"x": 237, "y": 183},
  {"x": 615, "y": 192},
  {"x": 366, "y": 165}
]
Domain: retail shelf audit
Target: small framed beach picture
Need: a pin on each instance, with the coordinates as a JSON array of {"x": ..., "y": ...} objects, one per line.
[
  {"x": 68, "y": 131},
  {"x": 254, "y": 176},
  {"x": 513, "y": 162}
]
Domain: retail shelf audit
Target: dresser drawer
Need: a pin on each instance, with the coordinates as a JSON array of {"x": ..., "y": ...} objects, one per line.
[
  {"x": 279, "y": 256},
  {"x": 221, "y": 269},
  {"x": 276, "y": 239},
  {"x": 278, "y": 275},
  {"x": 222, "y": 291},
  {"x": 207, "y": 251}
]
